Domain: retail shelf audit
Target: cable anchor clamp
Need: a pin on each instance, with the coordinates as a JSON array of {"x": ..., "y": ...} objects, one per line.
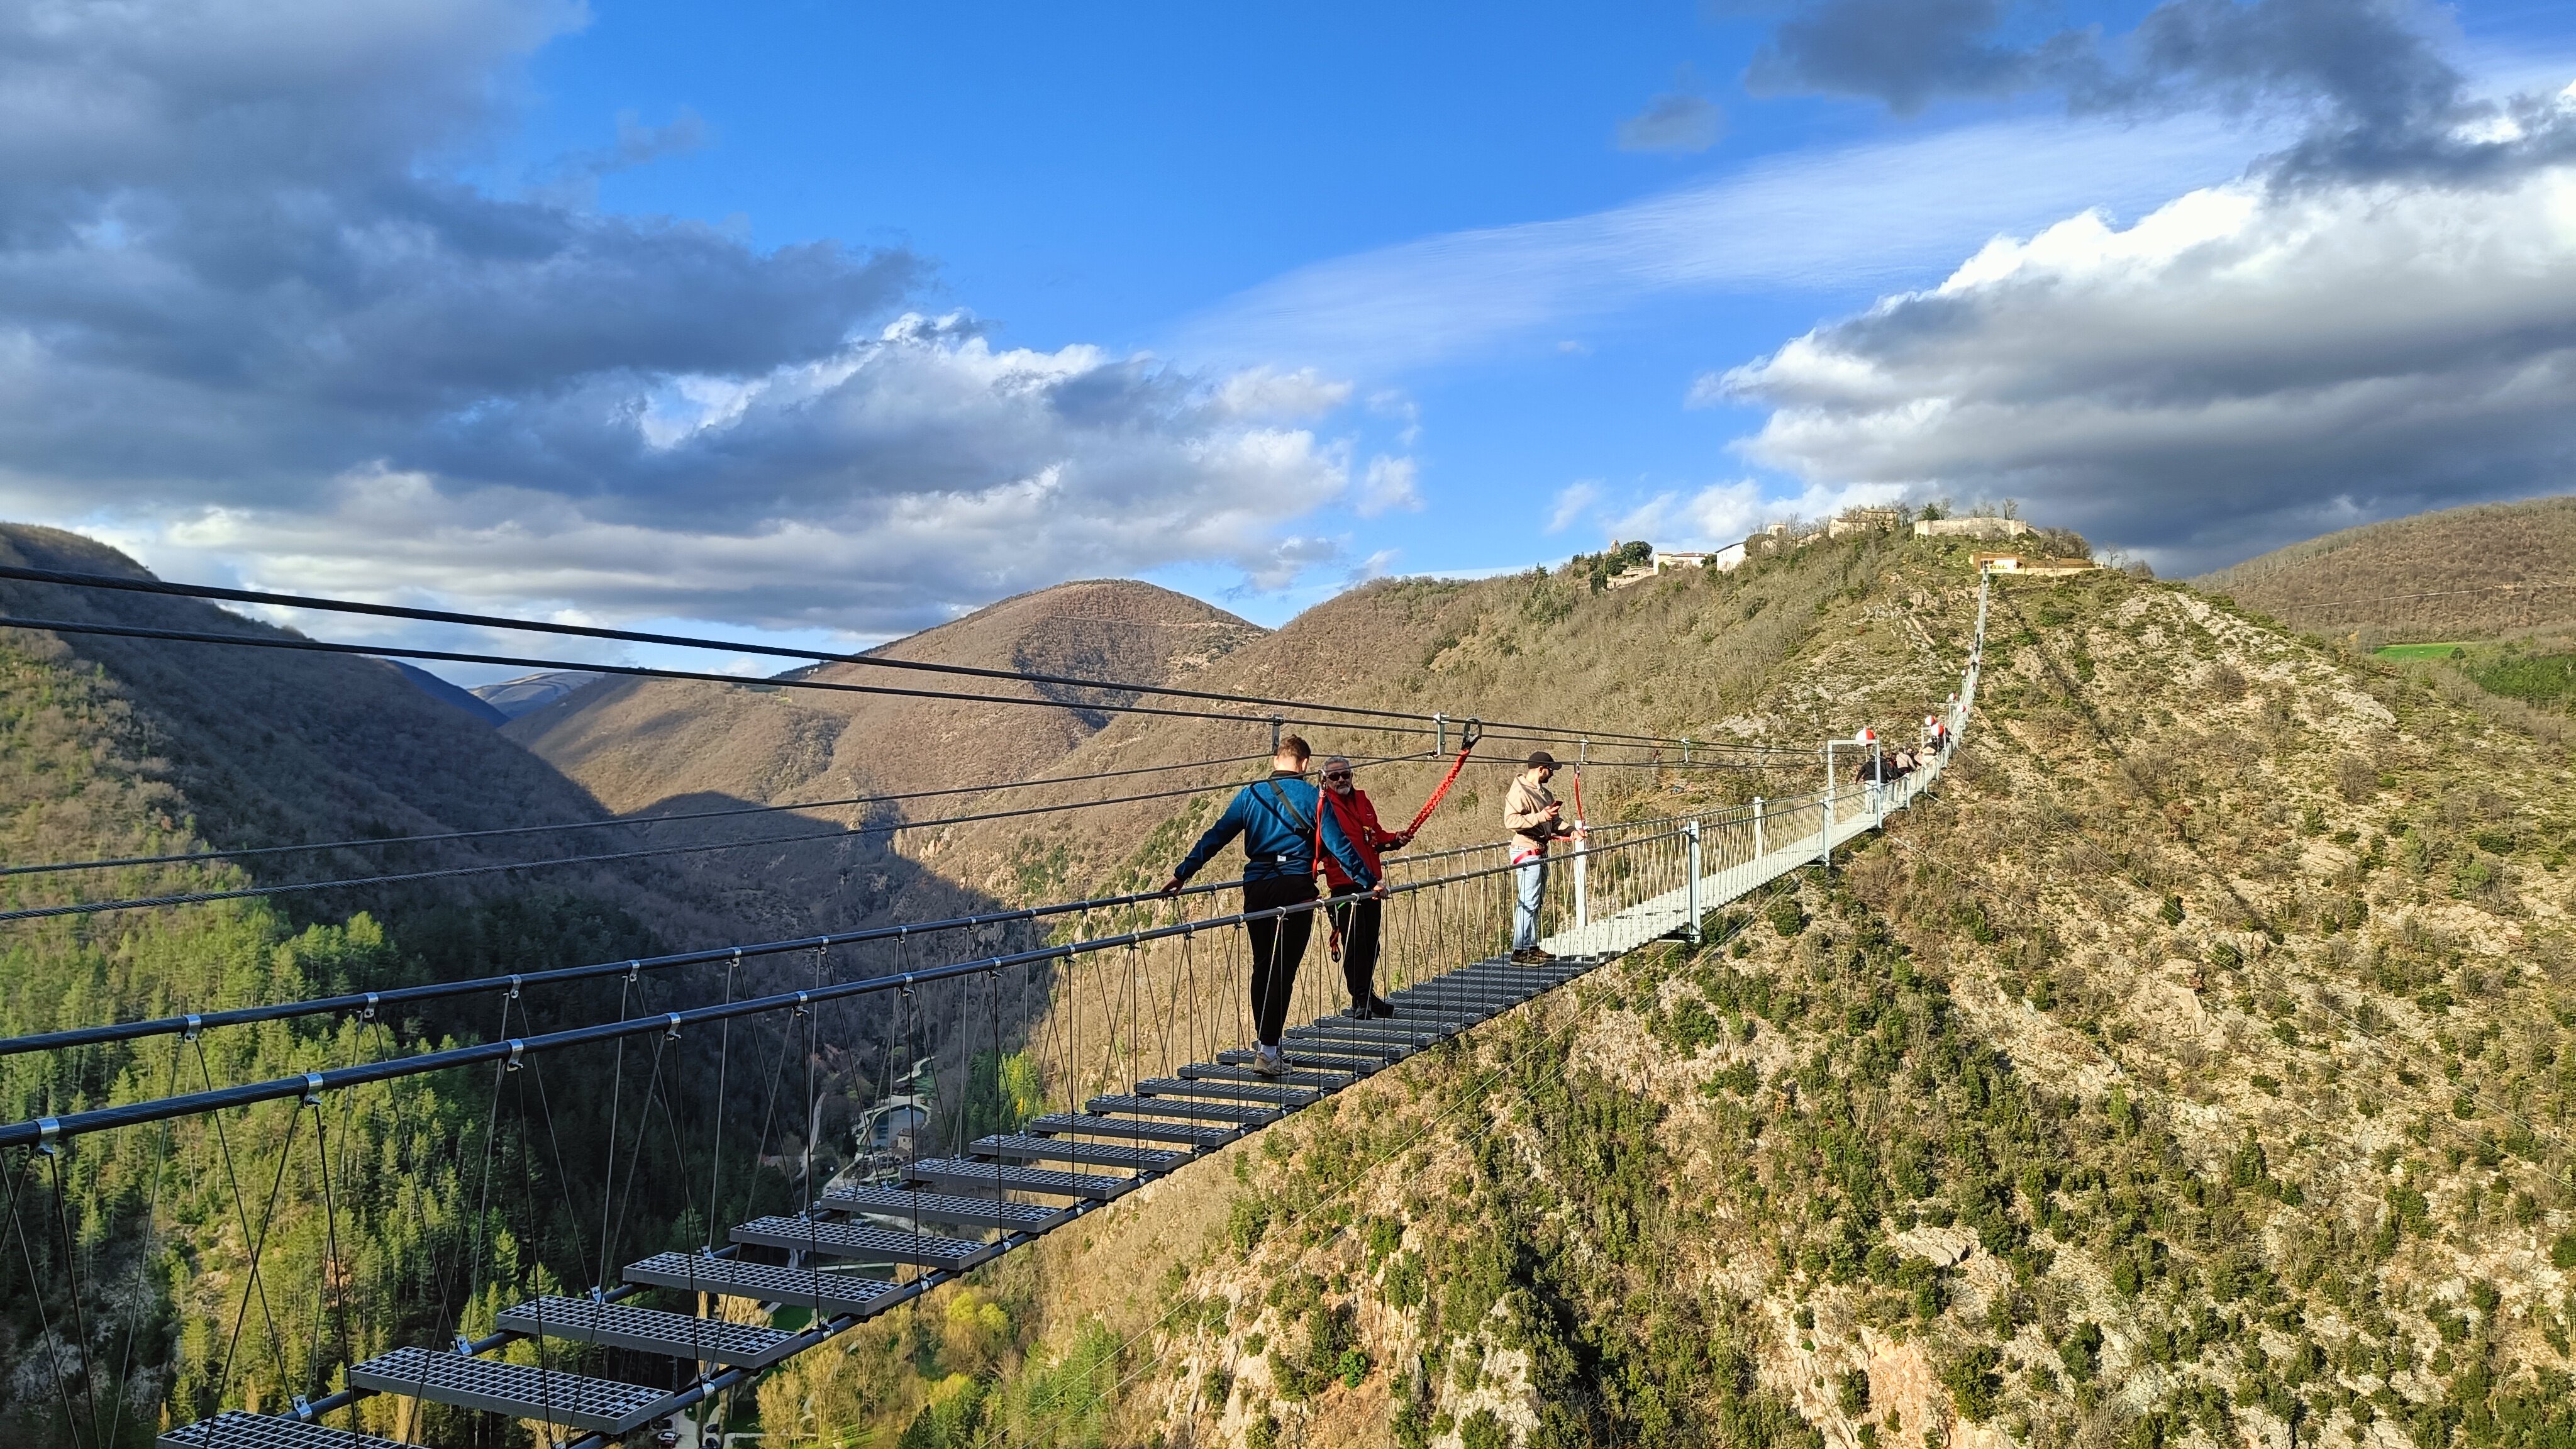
[
  {"x": 634, "y": 969},
  {"x": 49, "y": 1133},
  {"x": 673, "y": 1018},
  {"x": 195, "y": 1025},
  {"x": 303, "y": 1409},
  {"x": 517, "y": 1047},
  {"x": 370, "y": 1013},
  {"x": 312, "y": 1089},
  {"x": 802, "y": 1001},
  {"x": 514, "y": 988},
  {"x": 464, "y": 1346}
]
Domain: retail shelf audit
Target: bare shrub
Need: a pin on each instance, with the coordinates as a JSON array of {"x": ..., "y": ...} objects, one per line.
[
  {"x": 2223, "y": 682},
  {"x": 2355, "y": 779}
]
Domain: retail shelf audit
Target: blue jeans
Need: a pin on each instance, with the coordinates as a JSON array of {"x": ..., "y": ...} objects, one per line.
[{"x": 1530, "y": 881}]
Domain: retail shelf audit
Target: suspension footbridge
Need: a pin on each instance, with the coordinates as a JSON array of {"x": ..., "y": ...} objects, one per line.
[{"x": 1133, "y": 1011}]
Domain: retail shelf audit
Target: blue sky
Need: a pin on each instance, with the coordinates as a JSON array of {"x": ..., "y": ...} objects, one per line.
[
  {"x": 1125, "y": 179},
  {"x": 828, "y": 322}
]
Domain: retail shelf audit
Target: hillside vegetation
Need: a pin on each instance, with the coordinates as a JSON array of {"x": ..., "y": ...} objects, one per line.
[
  {"x": 2462, "y": 573},
  {"x": 2196, "y": 1068},
  {"x": 128, "y": 748}
]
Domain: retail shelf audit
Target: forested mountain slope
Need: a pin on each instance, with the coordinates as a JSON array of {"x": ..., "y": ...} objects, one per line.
[
  {"x": 2478, "y": 572},
  {"x": 114, "y": 747},
  {"x": 2195, "y": 1068}
]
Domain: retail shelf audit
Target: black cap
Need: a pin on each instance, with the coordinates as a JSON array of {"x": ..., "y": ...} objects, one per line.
[{"x": 1541, "y": 757}]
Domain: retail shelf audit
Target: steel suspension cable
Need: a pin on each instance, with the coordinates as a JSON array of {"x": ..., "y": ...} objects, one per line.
[
  {"x": 194, "y": 898},
  {"x": 258, "y": 1246},
  {"x": 151, "y": 1225},
  {"x": 129, "y": 1114},
  {"x": 36, "y": 1289},
  {"x": 637, "y": 821},
  {"x": 878, "y": 661},
  {"x": 241, "y": 1205},
  {"x": 716, "y": 1115}
]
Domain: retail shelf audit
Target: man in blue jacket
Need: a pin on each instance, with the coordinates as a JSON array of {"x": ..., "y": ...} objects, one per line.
[{"x": 1280, "y": 819}]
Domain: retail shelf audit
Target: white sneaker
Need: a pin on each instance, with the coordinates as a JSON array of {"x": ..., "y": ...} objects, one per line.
[{"x": 1269, "y": 1063}]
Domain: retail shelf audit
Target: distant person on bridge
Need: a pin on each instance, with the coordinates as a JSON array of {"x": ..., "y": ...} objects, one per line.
[
  {"x": 1357, "y": 922},
  {"x": 1533, "y": 816},
  {"x": 1281, "y": 820}
]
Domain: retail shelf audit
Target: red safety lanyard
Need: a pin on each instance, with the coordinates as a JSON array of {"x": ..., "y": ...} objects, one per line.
[{"x": 1475, "y": 730}]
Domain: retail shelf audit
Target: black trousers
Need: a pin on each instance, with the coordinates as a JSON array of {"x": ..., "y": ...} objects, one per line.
[
  {"x": 1359, "y": 922},
  {"x": 1278, "y": 944}
]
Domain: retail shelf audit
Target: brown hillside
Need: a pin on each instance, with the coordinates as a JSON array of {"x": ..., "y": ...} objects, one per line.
[
  {"x": 2462, "y": 573},
  {"x": 1689, "y": 655},
  {"x": 658, "y": 746}
]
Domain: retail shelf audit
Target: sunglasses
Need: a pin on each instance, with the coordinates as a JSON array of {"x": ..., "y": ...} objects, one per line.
[{"x": 1337, "y": 774}]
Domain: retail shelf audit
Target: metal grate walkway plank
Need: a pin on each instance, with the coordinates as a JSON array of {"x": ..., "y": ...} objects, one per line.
[
  {"x": 647, "y": 1330},
  {"x": 237, "y": 1429},
  {"x": 1060, "y": 1149},
  {"x": 817, "y": 1238},
  {"x": 549, "y": 1396},
  {"x": 1226, "y": 1091},
  {"x": 1240, "y": 1115},
  {"x": 1331, "y": 1080},
  {"x": 765, "y": 1282},
  {"x": 1338, "y": 1057},
  {"x": 1205, "y": 1139},
  {"x": 965, "y": 1176},
  {"x": 984, "y": 1212}
]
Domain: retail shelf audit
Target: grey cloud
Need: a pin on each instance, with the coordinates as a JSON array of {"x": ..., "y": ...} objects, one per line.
[
  {"x": 2367, "y": 78},
  {"x": 1909, "y": 53},
  {"x": 243, "y": 297},
  {"x": 1678, "y": 120}
]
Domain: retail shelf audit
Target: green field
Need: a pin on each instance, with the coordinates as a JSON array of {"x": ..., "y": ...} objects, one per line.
[{"x": 2418, "y": 651}]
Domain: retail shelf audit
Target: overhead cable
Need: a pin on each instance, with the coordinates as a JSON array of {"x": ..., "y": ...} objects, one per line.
[
  {"x": 246, "y": 852},
  {"x": 377, "y": 1001},
  {"x": 100, "y": 1119},
  {"x": 731, "y": 646},
  {"x": 195, "y": 898}
]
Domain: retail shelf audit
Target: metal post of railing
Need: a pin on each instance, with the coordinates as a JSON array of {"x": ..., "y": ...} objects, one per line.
[
  {"x": 1825, "y": 834},
  {"x": 1758, "y": 850},
  {"x": 1582, "y": 846},
  {"x": 1691, "y": 929}
]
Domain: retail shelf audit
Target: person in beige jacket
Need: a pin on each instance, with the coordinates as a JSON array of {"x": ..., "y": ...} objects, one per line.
[{"x": 1534, "y": 818}]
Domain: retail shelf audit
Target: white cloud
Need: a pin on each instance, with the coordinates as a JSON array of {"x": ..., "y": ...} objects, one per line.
[
  {"x": 1572, "y": 502},
  {"x": 1874, "y": 214},
  {"x": 2243, "y": 366},
  {"x": 1263, "y": 392},
  {"x": 1388, "y": 485}
]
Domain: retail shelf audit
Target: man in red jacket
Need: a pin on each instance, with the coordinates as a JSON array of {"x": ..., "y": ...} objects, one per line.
[{"x": 1357, "y": 920}]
